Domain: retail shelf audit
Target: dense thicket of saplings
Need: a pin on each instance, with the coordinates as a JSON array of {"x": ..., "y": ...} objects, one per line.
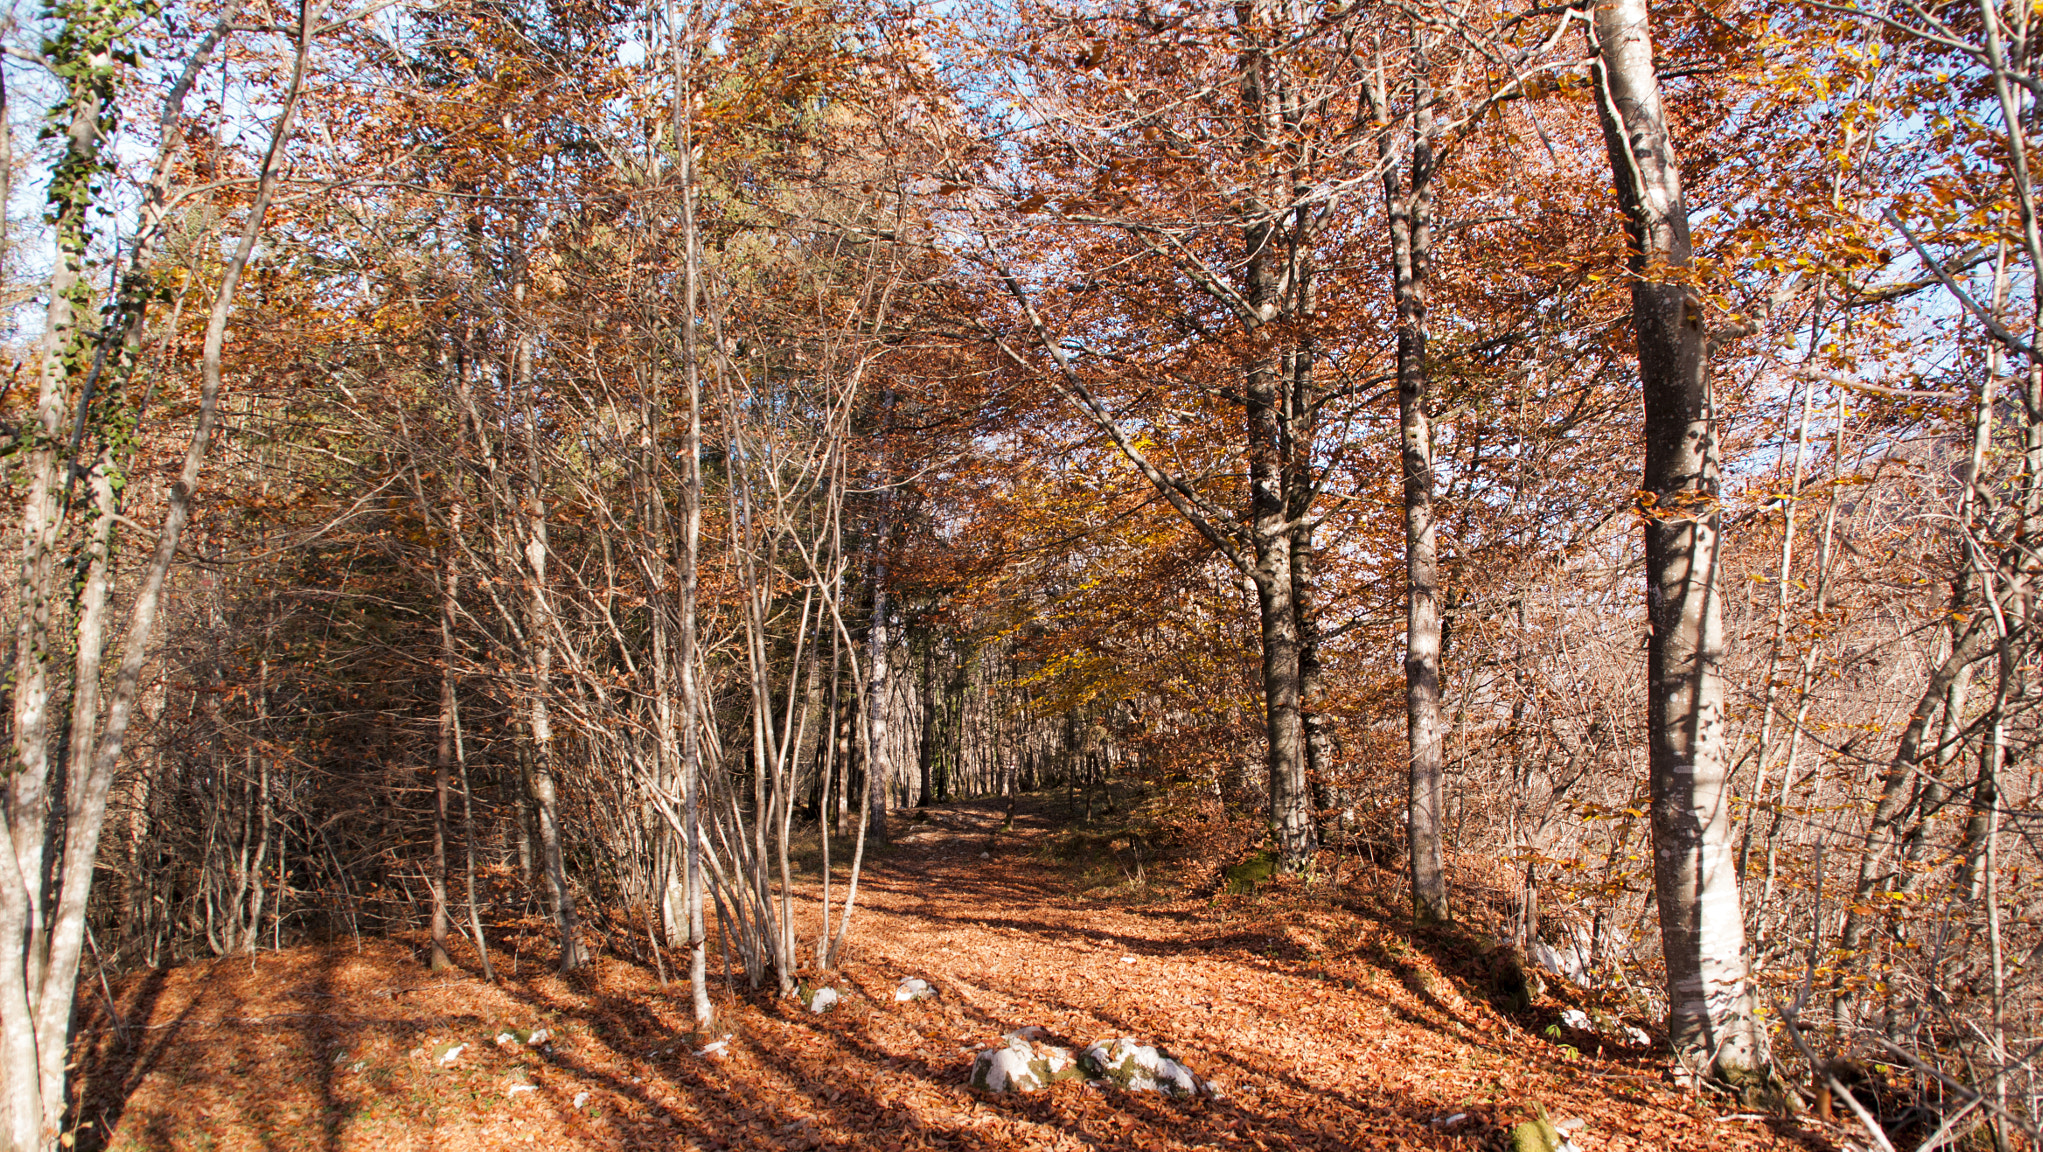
[{"x": 565, "y": 475}]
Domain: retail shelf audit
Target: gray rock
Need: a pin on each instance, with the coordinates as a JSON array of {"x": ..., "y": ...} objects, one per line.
[
  {"x": 1022, "y": 1066},
  {"x": 913, "y": 988},
  {"x": 1138, "y": 1067}
]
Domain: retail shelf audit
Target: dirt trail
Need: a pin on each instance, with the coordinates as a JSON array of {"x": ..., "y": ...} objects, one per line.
[{"x": 1320, "y": 1027}]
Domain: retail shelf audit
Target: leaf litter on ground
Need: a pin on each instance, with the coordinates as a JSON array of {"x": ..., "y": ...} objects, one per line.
[{"x": 1319, "y": 1022}]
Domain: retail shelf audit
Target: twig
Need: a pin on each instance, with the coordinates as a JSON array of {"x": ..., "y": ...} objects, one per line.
[
  {"x": 1968, "y": 301},
  {"x": 1876, "y": 389},
  {"x": 1856, "y": 1106},
  {"x": 1941, "y": 1136},
  {"x": 1975, "y": 1096},
  {"x": 107, "y": 993}
]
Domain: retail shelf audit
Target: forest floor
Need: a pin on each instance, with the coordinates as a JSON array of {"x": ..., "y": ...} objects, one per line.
[{"x": 1322, "y": 1023}]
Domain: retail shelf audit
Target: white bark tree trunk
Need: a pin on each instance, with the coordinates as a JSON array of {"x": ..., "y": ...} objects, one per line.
[
  {"x": 877, "y": 759},
  {"x": 46, "y": 863},
  {"x": 1713, "y": 1027},
  {"x": 1410, "y": 145}
]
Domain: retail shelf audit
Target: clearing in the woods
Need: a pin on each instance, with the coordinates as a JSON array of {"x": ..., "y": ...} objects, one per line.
[{"x": 1322, "y": 1021}]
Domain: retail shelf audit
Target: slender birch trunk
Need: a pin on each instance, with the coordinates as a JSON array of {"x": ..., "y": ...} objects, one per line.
[
  {"x": 693, "y": 521},
  {"x": 877, "y": 758},
  {"x": 452, "y": 707},
  {"x": 444, "y": 755},
  {"x": 540, "y": 728}
]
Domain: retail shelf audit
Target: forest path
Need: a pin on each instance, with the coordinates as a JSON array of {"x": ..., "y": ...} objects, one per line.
[{"x": 1320, "y": 1026}]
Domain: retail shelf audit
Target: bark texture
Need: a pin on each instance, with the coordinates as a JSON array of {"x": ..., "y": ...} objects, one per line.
[
  {"x": 1713, "y": 1027},
  {"x": 1410, "y": 146},
  {"x": 1278, "y": 275}
]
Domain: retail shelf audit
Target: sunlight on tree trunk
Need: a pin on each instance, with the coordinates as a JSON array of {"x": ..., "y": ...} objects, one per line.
[{"x": 1713, "y": 1024}]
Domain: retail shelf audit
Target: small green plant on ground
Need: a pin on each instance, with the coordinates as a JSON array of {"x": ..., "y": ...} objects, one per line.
[{"x": 1244, "y": 877}]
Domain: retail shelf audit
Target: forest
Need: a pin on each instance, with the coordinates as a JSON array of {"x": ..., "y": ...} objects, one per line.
[{"x": 532, "y": 489}]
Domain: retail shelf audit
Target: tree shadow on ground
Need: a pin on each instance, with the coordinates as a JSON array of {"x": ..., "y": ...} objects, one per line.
[{"x": 625, "y": 1071}]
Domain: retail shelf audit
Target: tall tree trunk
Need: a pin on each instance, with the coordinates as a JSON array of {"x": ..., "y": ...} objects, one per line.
[
  {"x": 845, "y": 739},
  {"x": 878, "y": 681},
  {"x": 952, "y": 783},
  {"x": 815, "y": 730},
  {"x": 831, "y": 776},
  {"x": 1276, "y": 279},
  {"x": 1318, "y": 735},
  {"x": 24, "y": 890},
  {"x": 43, "y": 897},
  {"x": 1410, "y": 208},
  {"x": 1713, "y": 1026},
  {"x": 933, "y": 733},
  {"x": 684, "y": 39},
  {"x": 451, "y": 709},
  {"x": 444, "y": 755},
  {"x": 540, "y": 655},
  {"x": 1287, "y": 814}
]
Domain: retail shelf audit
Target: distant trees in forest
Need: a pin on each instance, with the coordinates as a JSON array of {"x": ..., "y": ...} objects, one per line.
[{"x": 557, "y": 477}]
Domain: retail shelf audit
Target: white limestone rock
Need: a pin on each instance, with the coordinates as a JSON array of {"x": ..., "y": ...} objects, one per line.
[
  {"x": 1138, "y": 1067},
  {"x": 1606, "y": 1024},
  {"x": 913, "y": 988},
  {"x": 1022, "y": 1065},
  {"x": 1570, "y": 956},
  {"x": 823, "y": 999}
]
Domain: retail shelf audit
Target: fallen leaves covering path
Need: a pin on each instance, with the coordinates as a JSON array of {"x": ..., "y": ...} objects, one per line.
[{"x": 1320, "y": 1026}]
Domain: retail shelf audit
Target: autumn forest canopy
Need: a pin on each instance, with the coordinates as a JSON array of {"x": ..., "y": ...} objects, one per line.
[{"x": 568, "y": 478}]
